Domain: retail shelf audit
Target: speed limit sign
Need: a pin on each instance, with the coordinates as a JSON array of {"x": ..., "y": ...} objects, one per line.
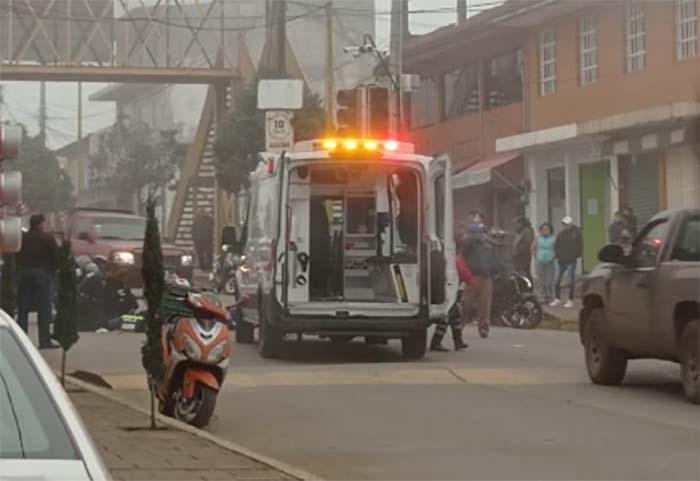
[{"x": 279, "y": 134}]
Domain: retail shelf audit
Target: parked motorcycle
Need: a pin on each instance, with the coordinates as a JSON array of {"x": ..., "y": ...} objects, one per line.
[
  {"x": 223, "y": 274},
  {"x": 196, "y": 350},
  {"x": 514, "y": 302}
]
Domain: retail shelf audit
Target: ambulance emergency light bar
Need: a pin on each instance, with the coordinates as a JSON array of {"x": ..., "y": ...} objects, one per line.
[{"x": 351, "y": 145}]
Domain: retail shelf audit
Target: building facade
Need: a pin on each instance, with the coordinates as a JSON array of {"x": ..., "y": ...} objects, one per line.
[
  {"x": 607, "y": 116},
  {"x": 612, "y": 113}
]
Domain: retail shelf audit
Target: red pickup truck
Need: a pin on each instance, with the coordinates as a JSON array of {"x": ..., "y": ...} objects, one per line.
[{"x": 117, "y": 236}]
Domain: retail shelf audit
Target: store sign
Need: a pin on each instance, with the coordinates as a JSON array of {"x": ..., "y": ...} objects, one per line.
[{"x": 279, "y": 134}]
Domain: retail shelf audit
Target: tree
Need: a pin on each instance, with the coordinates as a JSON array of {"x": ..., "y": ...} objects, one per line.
[
  {"x": 153, "y": 274},
  {"x": 242, "y": 136},
  {"x": 133, "y": 161},
  {"x": 65, "y": 322},
  {"x": 45, "y": 185}
]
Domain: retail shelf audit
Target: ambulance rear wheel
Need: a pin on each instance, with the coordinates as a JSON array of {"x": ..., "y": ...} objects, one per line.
[
  {"x": 415, "y": 345},
  {"x": 245, "y": 332},
  {"x": 269, "y": 337}
]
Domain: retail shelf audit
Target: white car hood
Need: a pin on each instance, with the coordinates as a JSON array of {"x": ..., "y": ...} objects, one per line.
[{"x": 42, "y": 469}]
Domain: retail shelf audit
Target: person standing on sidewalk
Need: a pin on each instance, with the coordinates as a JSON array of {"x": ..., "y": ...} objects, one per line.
[
  {"x": 545, "y": 268},
  {"x": 37, "y": 262},
  {"x": 522, "y": 247},
  {"x": 618, "y": 229},
  {"x": 203, "y": 237},
  {"x": 568, "y": 248}
]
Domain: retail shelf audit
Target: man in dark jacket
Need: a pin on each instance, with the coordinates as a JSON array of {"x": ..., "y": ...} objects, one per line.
[
  {"x": 522, "y": 246},
  {"x": 568, "y": 248},
  {"x": 203, "y": 237},
  {"x": 483, "y": 265},
  {"x": 37, "y": 262}
]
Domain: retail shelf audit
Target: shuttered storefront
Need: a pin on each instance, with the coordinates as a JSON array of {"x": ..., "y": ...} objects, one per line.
[
  {"x": 682, "y": 173},
  {"x": 641, "y": 185}
]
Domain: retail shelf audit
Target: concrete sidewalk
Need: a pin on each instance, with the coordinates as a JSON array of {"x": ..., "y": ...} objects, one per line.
[{"x": 131, "y": 451}]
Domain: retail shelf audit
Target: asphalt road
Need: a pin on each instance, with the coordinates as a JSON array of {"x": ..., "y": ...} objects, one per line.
[{"x": 515, "y": 406}]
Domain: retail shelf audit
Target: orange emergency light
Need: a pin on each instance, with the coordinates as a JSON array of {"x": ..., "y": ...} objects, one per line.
[{"x": 353, "y": 145}]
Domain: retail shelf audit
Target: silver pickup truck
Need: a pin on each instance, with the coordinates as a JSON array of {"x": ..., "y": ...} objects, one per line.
[{"x": 643, "y": 302}]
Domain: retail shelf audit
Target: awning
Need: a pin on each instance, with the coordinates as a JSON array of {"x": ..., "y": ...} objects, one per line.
[{"x": 480, "y": 173}]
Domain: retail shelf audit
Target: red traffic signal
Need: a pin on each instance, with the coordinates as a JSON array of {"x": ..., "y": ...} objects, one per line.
[
  {"x": 10, "y": 235},
  {"x": 379, "y": 105},
  {"x": 10, "y": 140},
  {"x": 10, "y": 188},
  {"x": 348, "y": 110}
]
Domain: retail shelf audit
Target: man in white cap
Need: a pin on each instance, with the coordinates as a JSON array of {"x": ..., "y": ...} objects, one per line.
[{"x": 568, "y": 248}]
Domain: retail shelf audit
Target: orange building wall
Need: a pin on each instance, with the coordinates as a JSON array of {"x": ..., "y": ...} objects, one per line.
[
  {"x": 464, "y": 135},
  {"x": 665, "y": 79}
]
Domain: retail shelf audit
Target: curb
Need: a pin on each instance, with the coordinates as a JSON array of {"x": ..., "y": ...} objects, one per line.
[{"x": 174, "y": 423}]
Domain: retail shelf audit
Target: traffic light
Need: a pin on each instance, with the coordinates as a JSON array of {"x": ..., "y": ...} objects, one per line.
[
  {"x": 10, "y": 191},
  {"x": 379, "y": 106},
  {"x": 348, "y": 110}
]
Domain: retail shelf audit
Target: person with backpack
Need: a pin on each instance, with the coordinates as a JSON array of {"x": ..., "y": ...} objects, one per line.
[
  {"x": 483, "y": 265},
  {"x": 568, "y": 247}
]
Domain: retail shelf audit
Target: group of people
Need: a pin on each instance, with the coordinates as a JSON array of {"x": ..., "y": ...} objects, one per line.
[
  {"x": 478, "y": 262},
  {"x": 557, "y": 254}
]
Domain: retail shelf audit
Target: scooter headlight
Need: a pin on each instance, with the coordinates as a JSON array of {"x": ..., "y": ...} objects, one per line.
[
  {"x": 192, "y": 349},
  {"x": 186, "y": 260},
  {"x": 216, "y": 354}
]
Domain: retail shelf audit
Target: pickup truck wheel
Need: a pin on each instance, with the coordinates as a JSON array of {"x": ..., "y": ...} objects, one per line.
[
  {"x": 690, "y": 362},
  {"x": 605, "y": 364},
  {"x": 415, "y": 345}
]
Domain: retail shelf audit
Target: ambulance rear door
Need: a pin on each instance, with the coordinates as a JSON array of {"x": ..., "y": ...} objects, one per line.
[{"x": 444, "y": 281}]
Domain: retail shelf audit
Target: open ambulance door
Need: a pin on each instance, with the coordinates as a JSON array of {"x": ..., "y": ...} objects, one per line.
[{"x": 443, "y": 281}]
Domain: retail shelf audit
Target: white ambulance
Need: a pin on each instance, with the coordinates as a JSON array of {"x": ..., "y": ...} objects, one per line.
[{"x": 348, "y": 238}]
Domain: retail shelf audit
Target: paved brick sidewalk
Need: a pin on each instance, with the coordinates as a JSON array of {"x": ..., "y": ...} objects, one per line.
[{"x": 134, "y": 453}]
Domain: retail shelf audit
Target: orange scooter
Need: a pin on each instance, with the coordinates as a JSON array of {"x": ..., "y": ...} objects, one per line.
[{"x": 196, "y": 351}]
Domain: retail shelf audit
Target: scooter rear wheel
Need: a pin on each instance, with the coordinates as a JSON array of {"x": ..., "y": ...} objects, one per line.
[{"x": 197, "y": 411}]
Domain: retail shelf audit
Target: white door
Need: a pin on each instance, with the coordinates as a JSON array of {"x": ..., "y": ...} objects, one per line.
[{"x": 441, "y": 230}]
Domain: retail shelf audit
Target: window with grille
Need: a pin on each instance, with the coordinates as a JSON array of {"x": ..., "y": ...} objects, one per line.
[
  {"x": 425, "y": 104},
  {"x": 687, "y": 28},
  {"x": 588, "y": 50},
  {"x": 548, "y": 62},
  {"x": 504, "y": 83},
  {"x": 461, "y": 91},
  {"x": 636, "y": 33}
]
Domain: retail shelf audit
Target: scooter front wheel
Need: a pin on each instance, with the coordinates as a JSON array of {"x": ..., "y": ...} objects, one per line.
[{"x": 198, "y": 410}]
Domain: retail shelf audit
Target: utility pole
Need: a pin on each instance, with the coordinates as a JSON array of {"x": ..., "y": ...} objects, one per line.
[
  {"x": 461, "y": 11},
  {"x": 42, "y": 112},
  {"x": 330, "y": 74},
  {"x": 281, "y": 19},
  {"x": 79, "y": 157},
  {"x": 399, "y": 29}
]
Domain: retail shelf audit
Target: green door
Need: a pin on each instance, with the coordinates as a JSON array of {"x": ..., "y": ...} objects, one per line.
[{"x": 594, "y": 210}]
